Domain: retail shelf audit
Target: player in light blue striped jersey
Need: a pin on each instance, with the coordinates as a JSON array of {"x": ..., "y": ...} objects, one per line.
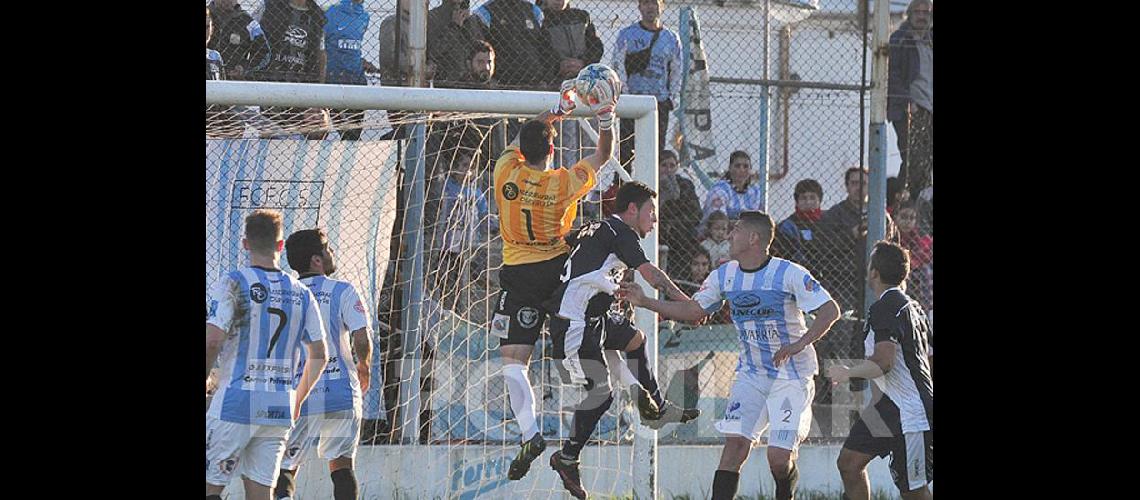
[
  {"x": 777, "y": 367},
  {"x": 330, "y": 418},
  {"x": 257, "y": 318}
]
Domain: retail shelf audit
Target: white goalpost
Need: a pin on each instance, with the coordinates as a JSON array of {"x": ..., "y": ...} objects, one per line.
[{"x": 348, "y": 187}]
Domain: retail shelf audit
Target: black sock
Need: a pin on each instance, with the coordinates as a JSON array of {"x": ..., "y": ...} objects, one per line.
[
  {"x": 585, "y": 421},
  {"x": 639, "y": 365},
  {"x": 724, "y": 484},
  {"x": 285, "y": 484},
  {"x": 213, "y": 497},
  {"x": 344, "y": 484},
  {"x": 786, "y": 487}
]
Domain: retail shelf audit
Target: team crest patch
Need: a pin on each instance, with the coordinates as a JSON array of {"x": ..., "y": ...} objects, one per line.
[
  {"x": 258, "y": 293},
  {"x": 510, "y": 191},
  {"x": 810, "y": 284},
  {"x": 359, "y": 307},
  {"x": 213, "y": 310},
  {"x": 718, "y": 202},
  {"x": 528, "y": 317},
  {"x": 292, "y": 452}
]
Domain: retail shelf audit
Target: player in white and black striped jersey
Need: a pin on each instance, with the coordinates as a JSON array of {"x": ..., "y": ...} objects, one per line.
[
  {"x": 586, "y": 326},
  {"x": 900, "y": 423}
]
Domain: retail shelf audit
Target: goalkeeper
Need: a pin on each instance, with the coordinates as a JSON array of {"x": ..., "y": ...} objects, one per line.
[{"x": 537, "y": 205}]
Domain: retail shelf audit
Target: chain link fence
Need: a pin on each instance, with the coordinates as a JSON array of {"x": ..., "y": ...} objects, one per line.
[{"x": 795, "y": 103}]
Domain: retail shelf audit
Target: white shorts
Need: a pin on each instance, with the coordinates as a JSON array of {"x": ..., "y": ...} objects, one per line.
[
  {"x": 757, "y": 400},
  {"x": 256, "y": 448},
  {"x": 334, "y": 435}
]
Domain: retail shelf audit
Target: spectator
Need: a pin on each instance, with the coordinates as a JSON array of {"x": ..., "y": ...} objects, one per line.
[
  {"x": 647, "y": 58},
  {"x": 394, "y": 67},
  {"x": 573, "y": 43},
  {"x": 572, "y": 40},
  {"x": 344, "y": 37},
  {"x": 480, "y": 71},
  {"x": 735, "y": 192},
  {"x": 221, "y": 121},
  {"x": 215, "y": 68},
  {"x": 699, "y": 268},
  {"x": 797, "y": 237},
  {"x": 238, "y": 38},
  {"x": 716, "y": 244},
  {"x": 896, "y": 194},
  {"x": 452, "y": 32},
  {"x": 910, "y": 95},
  {"x": 294, "y": 29},
  {"x": 920, "y": 284},
  {"x": 463, "y": 223},
  {"x": 680, "y": 213},
  {"x": 514, "y": 28},
  {"x": 844, "y": 226}
]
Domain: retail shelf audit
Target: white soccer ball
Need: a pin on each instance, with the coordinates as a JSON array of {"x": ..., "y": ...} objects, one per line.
[{"x": 597, "y": 84}]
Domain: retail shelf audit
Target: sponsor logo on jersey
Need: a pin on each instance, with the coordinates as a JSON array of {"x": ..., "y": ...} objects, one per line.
[
  {"x": 731, "y": 414},
  {"x": 528, "y": 317},
  {"x": 258, "y": 293},
  {"x": 295, "y": 36},
  {"x": 213, "y": 310},
  {"x": 746, "y": 300},
  {"x": 293, "y": 451},
  {"x": 510, "y": 191}
]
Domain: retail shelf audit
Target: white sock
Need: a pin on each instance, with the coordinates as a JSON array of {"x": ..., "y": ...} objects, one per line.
[
  {"x": 522, "y": 398},
  {"x": 615, "y": 361}
]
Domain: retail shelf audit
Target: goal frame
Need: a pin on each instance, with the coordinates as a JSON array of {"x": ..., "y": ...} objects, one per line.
[{"x": 641, "y": 109}]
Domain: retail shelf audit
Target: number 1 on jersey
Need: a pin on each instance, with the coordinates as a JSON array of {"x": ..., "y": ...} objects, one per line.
[{"x": 529, "y": 230}]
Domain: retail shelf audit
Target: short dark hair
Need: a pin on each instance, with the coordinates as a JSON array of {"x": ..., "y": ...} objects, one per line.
[
  {"x": 263, "y": 229},
  {"x": 847, "y": 174},
  {"x": 479, "y": 47},
  {"x": 665, "y": 153},
  {"x": 760, "y": 221},
  {"x": 634, "y": 192},
  {"x": 535, "y": 140},
  {"x": 302, "y": 246},
  {"x": 891, "y": 261},
  {"x": 808, "y": 186}
]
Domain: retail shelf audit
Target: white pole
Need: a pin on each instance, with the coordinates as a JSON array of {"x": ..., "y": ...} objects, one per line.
[
  {"x": 645, "y": 170},
  {"x": 417, "y": 42},
  {"x": 876, "y": 202},
  {"x": 520, "y": 102}
]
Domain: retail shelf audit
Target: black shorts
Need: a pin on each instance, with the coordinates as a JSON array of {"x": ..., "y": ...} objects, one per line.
[
  {"x": 519, "y": 314},
  {"x": 878, "y": 432},
  {"x": 586, "y": 364}
]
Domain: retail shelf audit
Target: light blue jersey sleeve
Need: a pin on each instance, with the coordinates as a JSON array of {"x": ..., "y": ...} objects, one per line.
[
  {"x": 314, "y": 327},
  {"x": 710, "y": 296},
  {"x": 809, "y": 294}
]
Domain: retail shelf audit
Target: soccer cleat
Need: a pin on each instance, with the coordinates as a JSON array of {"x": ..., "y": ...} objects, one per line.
[
  {"x": 530, "y": 450},
  {"x": 568, "y": 471},
  {"x": 671, "y": 414},
  {"x": 646, "y": 406}
]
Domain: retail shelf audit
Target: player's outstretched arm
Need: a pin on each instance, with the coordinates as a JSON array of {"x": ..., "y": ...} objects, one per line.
[
  {"x": 214, "y": 338},
  {"x": 362, "y": 344},
  {"x": 659, "y": 280},
  {"x": 606, "y": 112},
  {"x": 875, "y": 366},
  {"x": 314, "y": 366},
  {"x": 685, "y": 310}
]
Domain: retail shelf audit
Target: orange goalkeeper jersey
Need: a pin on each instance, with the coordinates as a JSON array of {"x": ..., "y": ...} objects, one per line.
[{"x": 537, "y": 208}]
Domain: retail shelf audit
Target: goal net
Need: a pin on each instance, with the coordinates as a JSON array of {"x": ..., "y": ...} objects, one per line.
[{"x": 410, "y": 215}]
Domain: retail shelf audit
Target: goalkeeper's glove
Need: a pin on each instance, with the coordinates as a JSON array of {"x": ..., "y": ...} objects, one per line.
[
  {"x": 605, "y": 114},
  {"x": 566, "y": 102}
]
